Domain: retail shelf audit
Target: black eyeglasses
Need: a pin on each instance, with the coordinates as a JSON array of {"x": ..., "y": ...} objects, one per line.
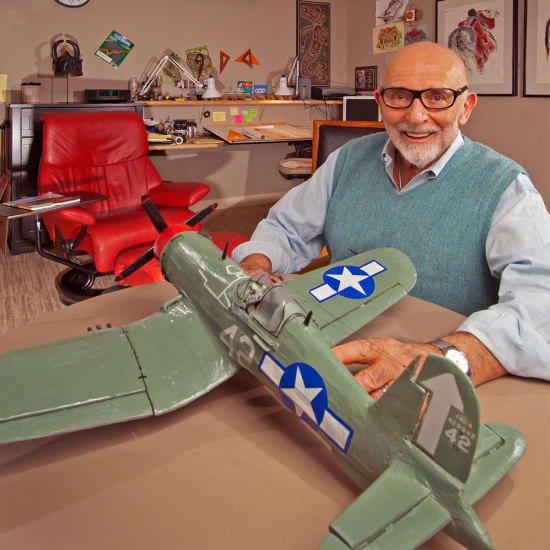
[{"x": 431, "y": 98}]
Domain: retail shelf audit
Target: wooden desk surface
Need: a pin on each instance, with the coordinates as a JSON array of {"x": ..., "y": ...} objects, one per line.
[{"x": 234, "y": 470}]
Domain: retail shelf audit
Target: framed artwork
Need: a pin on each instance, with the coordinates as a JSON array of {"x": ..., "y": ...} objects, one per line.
[
  {"x": 484, "y": 34},
  {"x": 536, "y": 51},
  {"x": 365, "y": 78},
  {"x": 313, "y": 41},
  {"x": 388, "y": 38}
]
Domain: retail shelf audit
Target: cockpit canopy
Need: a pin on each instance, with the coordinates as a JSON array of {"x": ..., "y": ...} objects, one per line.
[{"x": 270, "y": 306}]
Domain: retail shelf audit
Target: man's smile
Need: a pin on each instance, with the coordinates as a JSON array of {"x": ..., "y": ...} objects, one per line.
[{"x": 418, "y": 135}]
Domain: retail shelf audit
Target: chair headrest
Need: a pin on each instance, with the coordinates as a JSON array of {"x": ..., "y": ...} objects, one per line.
[
  {"x": 93, "y": 138},
  {"x": 331, "y": 137}
]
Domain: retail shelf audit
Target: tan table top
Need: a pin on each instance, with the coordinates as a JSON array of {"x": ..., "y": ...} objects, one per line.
[{"x": 234, "y": 470}]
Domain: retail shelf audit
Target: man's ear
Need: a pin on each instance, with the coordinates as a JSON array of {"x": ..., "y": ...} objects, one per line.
[
  {"x": 467, "y": 108},
  {"x": 378, "y": 97}
]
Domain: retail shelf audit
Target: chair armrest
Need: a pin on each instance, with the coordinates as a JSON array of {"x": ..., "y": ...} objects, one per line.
[
  {"x": 75, "y": 215},
  {"x": 183, "y": 194}
]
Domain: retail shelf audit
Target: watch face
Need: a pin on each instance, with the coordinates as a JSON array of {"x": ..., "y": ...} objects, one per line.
[
  {"x": 459, "y": 359},
  {"x": 72, "y": 3}
]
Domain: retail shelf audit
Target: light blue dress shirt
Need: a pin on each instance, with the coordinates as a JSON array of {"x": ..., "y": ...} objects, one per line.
[{"x": 516, "y": 329}]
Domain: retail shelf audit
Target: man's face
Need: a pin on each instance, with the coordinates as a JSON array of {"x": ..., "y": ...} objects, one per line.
[{"x": 422, "y": 135}]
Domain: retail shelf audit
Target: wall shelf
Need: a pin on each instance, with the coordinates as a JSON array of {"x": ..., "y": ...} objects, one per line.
[{"x": 238, "y": 102}]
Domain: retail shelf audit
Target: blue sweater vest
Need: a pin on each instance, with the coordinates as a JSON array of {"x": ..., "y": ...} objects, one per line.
[{"x": 442, "y": 225}]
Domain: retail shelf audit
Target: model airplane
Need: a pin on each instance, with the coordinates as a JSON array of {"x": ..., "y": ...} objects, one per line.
[{"x": 418, "y": 452}]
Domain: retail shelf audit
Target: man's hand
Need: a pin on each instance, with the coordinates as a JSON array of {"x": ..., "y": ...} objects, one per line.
[
  {"x": 259, "y": 263},
  {"x": 388, "y": 357}
]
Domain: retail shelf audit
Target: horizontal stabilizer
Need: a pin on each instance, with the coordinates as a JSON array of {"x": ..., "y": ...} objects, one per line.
[
  {"x": 394, "y": 512},
  {"x": 499, "y": 447}
]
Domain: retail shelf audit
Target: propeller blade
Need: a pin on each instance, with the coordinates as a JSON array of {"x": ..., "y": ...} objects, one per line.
[
  {"x": 199, "y": 216},
  {"x": 154, "y": 215},
  {"x": 147, "y": 256}
]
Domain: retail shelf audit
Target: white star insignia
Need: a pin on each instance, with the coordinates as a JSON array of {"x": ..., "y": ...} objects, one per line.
[
  {"x": 302, "y": 396},
  {"x": 347, "y": 279}
]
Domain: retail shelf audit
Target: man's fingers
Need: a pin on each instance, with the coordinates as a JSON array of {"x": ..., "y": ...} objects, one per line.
[
  {"x": 377, "y": 376},
  {"x": 357, "y": 351}
]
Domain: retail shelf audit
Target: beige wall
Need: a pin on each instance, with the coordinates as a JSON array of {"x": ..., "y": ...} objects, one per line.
[
  {"x": 267, "y": 27},
  {"x": 518, "y": 127}
]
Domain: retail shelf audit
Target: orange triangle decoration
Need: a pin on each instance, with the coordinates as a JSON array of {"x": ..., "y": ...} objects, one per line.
[
  {"x": 224, "y": 58},
  {"x": 248, "y": 58},
  {"x": 235, "y": 136}
]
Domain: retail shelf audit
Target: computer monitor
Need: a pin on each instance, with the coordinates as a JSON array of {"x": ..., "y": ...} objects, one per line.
[{"x": 360, "y": 107}]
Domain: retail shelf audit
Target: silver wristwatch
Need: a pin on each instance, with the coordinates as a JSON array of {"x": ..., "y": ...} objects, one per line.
[{"x": 454, "y": 354}]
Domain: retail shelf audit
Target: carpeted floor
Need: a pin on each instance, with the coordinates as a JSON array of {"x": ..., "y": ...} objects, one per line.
[{"x": 28, "y": 280}]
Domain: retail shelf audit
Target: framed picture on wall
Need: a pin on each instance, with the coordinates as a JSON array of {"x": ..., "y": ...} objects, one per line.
[
  {"x": 536, "y": 51},
  {"x": 313, "y": 41},
  {"x": 484, "y": 34},
  {"x": 365, "y": 78}
]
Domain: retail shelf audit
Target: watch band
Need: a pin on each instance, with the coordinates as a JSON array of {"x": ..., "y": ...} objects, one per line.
[
  {"x": 452, "y": 353},
  {"x": 443, "y": 345}
]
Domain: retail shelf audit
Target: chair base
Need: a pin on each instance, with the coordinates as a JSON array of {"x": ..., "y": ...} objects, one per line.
[{"x": 74, "y": 286}]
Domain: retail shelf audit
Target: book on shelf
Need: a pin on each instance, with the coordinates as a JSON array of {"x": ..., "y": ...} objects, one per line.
[{"x": 41, "y": 202}]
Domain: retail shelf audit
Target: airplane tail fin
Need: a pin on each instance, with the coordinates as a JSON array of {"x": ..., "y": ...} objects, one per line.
[{"x": 438, "y": 410}]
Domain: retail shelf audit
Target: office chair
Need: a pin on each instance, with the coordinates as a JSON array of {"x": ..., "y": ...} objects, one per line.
[
  {"x": 106, "y": 152},
  {"x": 329, "y": 135}
]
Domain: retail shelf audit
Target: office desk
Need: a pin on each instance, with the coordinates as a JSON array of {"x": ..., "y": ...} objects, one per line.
[{"x": 233, "y": 470}]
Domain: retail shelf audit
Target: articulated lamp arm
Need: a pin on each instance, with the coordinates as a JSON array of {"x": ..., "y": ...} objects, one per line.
[{"x": 157, "y": 70}]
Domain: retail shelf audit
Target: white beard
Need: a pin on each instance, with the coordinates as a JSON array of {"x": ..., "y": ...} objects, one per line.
[{"x": 423, "y": 154}]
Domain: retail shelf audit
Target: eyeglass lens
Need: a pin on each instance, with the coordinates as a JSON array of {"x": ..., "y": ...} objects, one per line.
[{"x": 435, "y": 98}]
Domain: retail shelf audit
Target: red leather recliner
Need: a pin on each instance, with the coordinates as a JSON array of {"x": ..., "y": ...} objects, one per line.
[{"x": 106, "y": 152}]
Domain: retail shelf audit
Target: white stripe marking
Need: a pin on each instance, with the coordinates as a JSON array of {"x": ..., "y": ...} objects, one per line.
[
  {"x": 334, "y": 429},
  {"x": 373, "y": 268},
  {"x": 323, "y": 292},
  {"x": 271, "y": 369}
]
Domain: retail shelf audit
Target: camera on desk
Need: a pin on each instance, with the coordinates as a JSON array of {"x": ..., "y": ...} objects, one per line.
[{"x": 183, "y": 130}]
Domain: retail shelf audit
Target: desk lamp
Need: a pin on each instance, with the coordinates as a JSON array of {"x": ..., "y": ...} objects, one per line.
[
  {"x": 282, "y": 88},
  {"x": 211, "y": 92}
]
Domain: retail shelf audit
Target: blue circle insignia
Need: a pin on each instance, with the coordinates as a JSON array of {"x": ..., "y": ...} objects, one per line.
[
  {"x": 303, "y": 391},
  {"x": 349, "y": 281}
]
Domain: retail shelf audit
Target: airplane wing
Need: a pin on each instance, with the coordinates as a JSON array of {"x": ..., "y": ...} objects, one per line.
[
  {"x": 394, "y": 512},
  {"x": 346, "y": 295},
  {"x": 97, "y": 379}
]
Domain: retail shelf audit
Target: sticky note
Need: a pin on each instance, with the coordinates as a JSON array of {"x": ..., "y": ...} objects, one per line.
[
  {"x": 233, "y": 111},
  {"x": 248, "y": 117},
  {"x": 238, "y": 119},
  {"x": 253, "y": 113},
  {"x": 218, "y": 116},
  {"x": 3, "y": 86},
  {"x": 245, "y": 112}
]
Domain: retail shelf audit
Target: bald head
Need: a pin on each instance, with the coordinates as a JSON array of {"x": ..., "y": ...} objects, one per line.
[{"x": 425, "y": 65}]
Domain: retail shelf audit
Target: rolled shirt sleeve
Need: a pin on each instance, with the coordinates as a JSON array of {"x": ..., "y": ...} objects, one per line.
[
  {"x": 292, "y": 234},
  {"x": 517, "y": 329}
]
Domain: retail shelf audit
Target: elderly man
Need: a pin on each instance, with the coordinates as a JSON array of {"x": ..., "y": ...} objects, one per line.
[{"x": 470, "y": 219}]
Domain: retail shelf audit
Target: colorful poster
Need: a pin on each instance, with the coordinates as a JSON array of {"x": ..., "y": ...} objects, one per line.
[
  {"x": 198, "y": 60},
  {"x": 388, "y": 38},
  {"x": 114, "y": 49}
]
